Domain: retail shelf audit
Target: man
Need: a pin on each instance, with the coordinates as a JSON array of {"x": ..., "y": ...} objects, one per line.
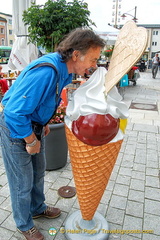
[
  {"x": 155, "y": 63},
  {"x": 30, "y": 103}
]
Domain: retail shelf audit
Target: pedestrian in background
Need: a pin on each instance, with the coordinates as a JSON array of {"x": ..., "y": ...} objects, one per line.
[
  {"x": 26, "y": 108},
  {"x": 155, "y": 63}
]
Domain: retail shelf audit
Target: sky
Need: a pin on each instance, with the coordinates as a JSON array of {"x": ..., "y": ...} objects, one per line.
[{"x": 147, "y": 12}]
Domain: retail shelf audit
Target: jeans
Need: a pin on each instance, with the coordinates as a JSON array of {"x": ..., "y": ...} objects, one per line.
[
  {"x": 154, "y": 70},
  {"x": 25, "y": 175}
]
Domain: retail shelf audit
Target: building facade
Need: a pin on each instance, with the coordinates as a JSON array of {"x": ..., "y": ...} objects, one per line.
[{"x": 6, "y": 32}]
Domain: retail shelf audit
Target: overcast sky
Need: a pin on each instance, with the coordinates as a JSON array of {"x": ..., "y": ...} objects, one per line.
[{"x": 148, "y": 11}]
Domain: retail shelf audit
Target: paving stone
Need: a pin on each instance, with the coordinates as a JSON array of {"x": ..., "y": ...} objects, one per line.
[
  {"x": 47, "y": 186},
  {"x": 59, "y": 236},
  {"x": 150, "y": 236},
  {"x": 106, "y": 197},
  {"x": 9, "y": 223},
  {"x": 130, "y": 149},
  {"x": 133, "y": 223},
  {"x": 102, "y": 209},
  {"x": 132, "y": 140},
  {"x": 4, "y": 191},
  {"x": 65, "y": 204},
  {"x": 115, "y": 215},
  {"x": 152, "y": 145},
  {"x": 51, "y": 176},
  {"x": 134, "y": 209},
  {"x": 137, "y": 196},
  {"x": 152, "y": 193},
  {"x": 110, "y": 185},
  {"x": 127, "y": 163},
  {"x": 151, "y": 222},
  {"x": 67, "y": 174},
  {"x": 125, "y": 171},
  {"x": 14, "y": 238},
  {"x": 141, "y": 145},
  {"x": 152, "y": 171},
  {"x": 118, "y": 202},
  {"x": 2, "y": 199},
  {"x": 152, "y": 207},
  {"x": 4, "y": 214},
  {"x": 132, "y": 133},
  {"x": 113, "y": 227},
  {"x": 140, "y": 158},
  {"x": 138, "y": 175},
  {"x": 125, "y": 180},
  {"x": 137, "y": 184},
  {"x": 3, "y": 180},
  {"x": 152, "y": 155},
  {"x": 152, "y": 181},
  {"x": 52, "y": 197},
  {"x": 139, "y": 167},
  {"x": 121, "y": 190},
  {"x": 6, "y": 234},
  {"x": 60, "y": 182},
  {"x": 145, "y": 128},
  {"x": 128, "y": 237},
  {"x": 113, "y": 176},
  {"x": 6, "y": 204}
]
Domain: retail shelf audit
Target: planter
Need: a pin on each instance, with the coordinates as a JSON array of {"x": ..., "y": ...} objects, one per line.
[{"x": 56, "y": 148}]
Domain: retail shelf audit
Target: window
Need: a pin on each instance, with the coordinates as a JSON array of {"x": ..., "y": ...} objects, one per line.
[
  {"x": 10, "y": 21},
  {"x": 2, "y": 41},
  {"x": 155, "y": 32},
  {"x": 10, "y": 42},
  {"x": 154, "y": 43},
  {"x": 10, "y": 32},
  {"x": 2, "y": 30}
]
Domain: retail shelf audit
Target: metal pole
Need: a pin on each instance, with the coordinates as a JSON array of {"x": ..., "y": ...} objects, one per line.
[
  {"x": 115, "y": 25},
  {"x": 135, "y": 13}
]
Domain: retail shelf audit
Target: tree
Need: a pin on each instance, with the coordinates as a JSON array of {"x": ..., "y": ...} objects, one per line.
[{"x": 47, "y": 24}]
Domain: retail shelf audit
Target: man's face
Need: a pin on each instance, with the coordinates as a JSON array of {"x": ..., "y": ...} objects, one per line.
[{"x": 83, "y": 62}]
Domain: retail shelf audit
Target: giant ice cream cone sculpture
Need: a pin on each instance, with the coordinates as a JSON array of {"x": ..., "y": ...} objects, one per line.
[
  {"x": 94, "y": 124},
  {"x": 94, "y": 139}
]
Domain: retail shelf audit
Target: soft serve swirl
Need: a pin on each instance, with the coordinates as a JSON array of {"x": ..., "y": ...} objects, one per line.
[{"x": 90, "y": 99}]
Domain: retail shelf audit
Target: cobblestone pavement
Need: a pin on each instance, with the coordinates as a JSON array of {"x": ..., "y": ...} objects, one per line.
[{"x": 131, "y": 199}]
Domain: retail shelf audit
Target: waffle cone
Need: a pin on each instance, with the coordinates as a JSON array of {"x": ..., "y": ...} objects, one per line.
[
  {"x": 92, "y": 167},
  {"x": 130, "y": 45}
]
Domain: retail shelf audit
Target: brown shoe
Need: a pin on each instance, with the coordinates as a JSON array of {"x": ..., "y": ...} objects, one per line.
[
  {"x": 50, "y": 212},
  {"x": 32, "y": 234}
]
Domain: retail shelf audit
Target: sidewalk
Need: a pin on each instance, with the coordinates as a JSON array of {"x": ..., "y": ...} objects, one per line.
[{"x": 132, "y": 198}]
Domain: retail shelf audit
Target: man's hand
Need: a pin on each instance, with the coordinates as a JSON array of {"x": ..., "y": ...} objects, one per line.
[{"x": 46, "y": 130}]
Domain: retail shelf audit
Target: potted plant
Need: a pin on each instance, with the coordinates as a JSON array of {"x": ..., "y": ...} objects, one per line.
[{"x": 56, "y": 148}]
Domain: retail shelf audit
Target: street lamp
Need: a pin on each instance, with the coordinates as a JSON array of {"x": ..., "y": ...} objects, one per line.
[{"x": 134, "y": 17}]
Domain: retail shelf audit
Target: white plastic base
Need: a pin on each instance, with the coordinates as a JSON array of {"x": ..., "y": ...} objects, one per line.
[{"x": 78, "y": 229}]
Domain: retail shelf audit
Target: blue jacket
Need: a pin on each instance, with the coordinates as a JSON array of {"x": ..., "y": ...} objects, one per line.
[{"x": 32, "y": 97}]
